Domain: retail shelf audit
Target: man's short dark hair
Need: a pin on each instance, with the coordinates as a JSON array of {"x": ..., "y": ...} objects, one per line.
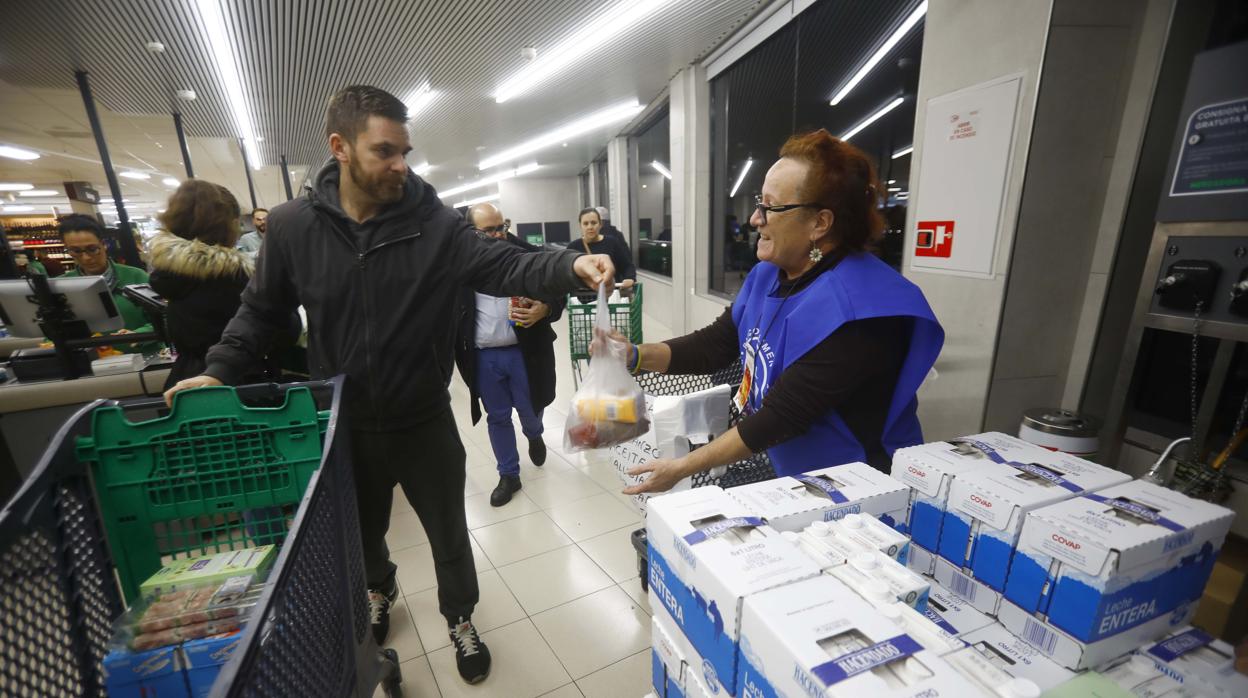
[
  {"x": 350, "y": 108},
  {"x": 79, "y": 223},
  {"x": 258, "y": 210}
]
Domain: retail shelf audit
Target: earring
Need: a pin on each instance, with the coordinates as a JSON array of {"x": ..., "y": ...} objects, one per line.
[{"x": 816, "y": 254}]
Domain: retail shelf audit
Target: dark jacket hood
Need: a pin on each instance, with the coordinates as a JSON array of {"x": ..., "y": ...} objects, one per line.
[{"x": 420, "y": 200}]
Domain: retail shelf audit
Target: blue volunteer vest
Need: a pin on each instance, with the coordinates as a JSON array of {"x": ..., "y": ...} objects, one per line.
[{"x": 774, "y": 333}]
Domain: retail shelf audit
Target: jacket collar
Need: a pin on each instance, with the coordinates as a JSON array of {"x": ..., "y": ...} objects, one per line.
[
  {"x": 197, "y": 260},
  {"x": 419, "y": 202}
]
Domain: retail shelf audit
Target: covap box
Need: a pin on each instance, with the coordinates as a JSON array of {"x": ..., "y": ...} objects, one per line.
[
  {"x": 956, "y": 616},
  {"x": 155, "y": 672},
  {"x": 1198, "y": 660},
  {"x": 828, "y": 494},
  {"x": 1100, "y": 563},
  {"x": 929, "y": 469},
  {"x": 817, "y": 638},
  {"x": 980, "y": 596},
  {"x": 707, "y": 553},
  {"x": 1016, "y": 658},
  {"x": 921, "y": 559},
  {"x": 987, "y": 506},
  {"x": 1075, "y": 654}
]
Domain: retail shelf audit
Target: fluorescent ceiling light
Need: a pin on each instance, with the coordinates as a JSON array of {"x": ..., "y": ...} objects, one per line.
[
  {"x": 135, "y": 175},
  {"x": 492, "y": 179},
  {"x": 914, "y": 18},
  {"x": 9, "y": 151},
  {"x": 419, "y": 99},
  {"x": 590, "y": 37},
  {"x": 420, "y": 170},
  {"x": 892, "y": 181},
  {"x": 18, "y": 209},
  {"x": 661, "y": 169},
  {"x": 13, "y": 186},
  {"x": 593, "y": 122},
  {"x": 903, "y": 152},
  {"x": 749, "y": 162},
  {"x": 213, "y": 14},
  {"x": 894, "y": 188},
  {"x": 872, "y": 119},
  {"x": 474, "y": 202},
  {"x": 40, "y": 192},
  {"x": 170, "y": 182}
]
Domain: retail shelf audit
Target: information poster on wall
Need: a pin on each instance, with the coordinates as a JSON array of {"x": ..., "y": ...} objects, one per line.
[{"x": 965, "y": 163}]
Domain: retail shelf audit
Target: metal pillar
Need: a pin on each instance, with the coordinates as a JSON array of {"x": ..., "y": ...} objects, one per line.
[
  {"x": 126, "y": 239},
  {"x": 286, "y": 178},
  {"x": 186, "y": 152},
  {"x": 251, "y": 187}
]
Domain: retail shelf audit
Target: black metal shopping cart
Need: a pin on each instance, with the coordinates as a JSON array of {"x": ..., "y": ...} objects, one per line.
[{"x": 84, "y": 528}]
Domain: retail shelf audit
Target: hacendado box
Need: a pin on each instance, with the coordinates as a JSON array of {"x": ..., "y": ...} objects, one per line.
[
  {"x": 1196, "y": 659},
  {"x": 817, "y": 638},
  {"x": 668, "y": 670},
  {"x": 1016, "y": 658},
  {"x": 987, "y": 507},
  {"x": 929, "y": 469},
  {"x": 707, "y": 553},
  {"x": 827, "y": 494},
  {"x": 1103, "y": 562}
]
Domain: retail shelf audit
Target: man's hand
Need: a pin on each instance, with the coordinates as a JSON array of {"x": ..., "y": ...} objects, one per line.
[
  {"x": 595, "y": 269},
  {"x": 664, "y": 474},
  {"x": 196, "y": 382},
  {"x": 530, "y": 315}
]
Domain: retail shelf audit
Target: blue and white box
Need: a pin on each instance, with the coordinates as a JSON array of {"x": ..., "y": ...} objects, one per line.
[
  {"x": 203, "y": 659},
  {"x": 1015, "y": 657},
  {"x": 817, "y": 639},
  {"x": 930, "y": 469},
  {"x": 987, "y": 507},
  {"x": 921, "y": 559},
  {"x": 668, "y": 659},
  {"x": 155, "y": 672},
  {"x": 707, "y": 554},
  {"x": 1199, "y": 661},
  {"x": 827, "y": 494},
  {"x": 1106, "y": 561},
  {"x": 954, "y": 615}
]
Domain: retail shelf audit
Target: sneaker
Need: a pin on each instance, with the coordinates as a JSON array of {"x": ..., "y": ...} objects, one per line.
[
  {"x": 472, "y": 657},
  {"x": 537, "y": 451},
  {"x": 507, "y": 486},
  {"x": 379, "y": 602}
]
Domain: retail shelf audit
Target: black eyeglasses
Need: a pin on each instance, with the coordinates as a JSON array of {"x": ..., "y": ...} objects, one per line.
[
  {"x": 764, "y": 209},
  {"x": 501, "y": 228},
  {"x": 83, "y": 251}
]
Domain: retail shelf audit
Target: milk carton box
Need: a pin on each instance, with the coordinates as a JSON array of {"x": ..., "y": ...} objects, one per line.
[
  {"x": 817, "y": 638},
  {"x": 987, "y": 506},
  {"x": 667, "y": 660},
  {"x": 980, "y": 596},
  {"x": 921, "y": 559},
  {"x": 929, "y": 469},
  {"x": 881, "y": 580},
  {"x": 1197, "y": 660},
  {"x": 931, "y": 634},
  {"x": 1015, "y": 657},
  {"x": 833, "y": 543},
  {"x": 707, "y": 554},
  {"x": 157, "y": 672},
  {"x": 952, "y": 614},
  {"x": 828, "y": 494},
  {"x": 1138, "y": 678},
  {"x": 1106, "y": 561}
]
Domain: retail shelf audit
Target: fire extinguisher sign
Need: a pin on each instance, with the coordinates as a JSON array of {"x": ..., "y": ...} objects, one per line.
[{"x": 934, "y": 239}]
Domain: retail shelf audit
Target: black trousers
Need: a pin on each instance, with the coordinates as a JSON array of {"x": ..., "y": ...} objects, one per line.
[{"x": 427, "y": 461}]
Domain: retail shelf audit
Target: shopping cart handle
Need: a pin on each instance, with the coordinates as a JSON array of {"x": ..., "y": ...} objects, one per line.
[{"x": 244, "y": 392}]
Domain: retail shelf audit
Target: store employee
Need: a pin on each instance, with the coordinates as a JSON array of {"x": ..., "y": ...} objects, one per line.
[
  {"x": 833, "y": 342},
  {"x": 84, "y": 241}
]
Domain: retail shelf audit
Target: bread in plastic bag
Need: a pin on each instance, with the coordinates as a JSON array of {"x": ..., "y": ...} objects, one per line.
[{"x": 609, "y": 408}]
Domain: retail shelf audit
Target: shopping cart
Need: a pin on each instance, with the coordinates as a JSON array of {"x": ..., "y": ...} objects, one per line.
[
  {"x": 625, "y": 317},
  {"x": 753, "y": 469},
  {"x": 70, "y": 554}
]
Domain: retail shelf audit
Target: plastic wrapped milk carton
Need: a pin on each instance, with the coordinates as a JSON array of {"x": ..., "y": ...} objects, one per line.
[{"x": 827, "y": 494}]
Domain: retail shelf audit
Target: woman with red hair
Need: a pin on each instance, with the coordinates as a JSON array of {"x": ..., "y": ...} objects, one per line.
[{"x": 834, "y": 343}]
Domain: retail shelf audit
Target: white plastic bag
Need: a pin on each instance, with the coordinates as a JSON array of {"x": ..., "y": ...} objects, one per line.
[{"x": 609, "y": 408}]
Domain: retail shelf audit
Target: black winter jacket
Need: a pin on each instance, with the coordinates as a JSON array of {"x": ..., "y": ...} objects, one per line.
[
  {"x": 383, "y": 312},
  {"x": 536, "y": 342}
]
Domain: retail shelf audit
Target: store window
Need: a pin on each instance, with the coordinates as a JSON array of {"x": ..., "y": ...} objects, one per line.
[
  {"x": 784, "y": 86},
  {"x": 652, "y": 198},
  {"x": 599, "y": 180}
]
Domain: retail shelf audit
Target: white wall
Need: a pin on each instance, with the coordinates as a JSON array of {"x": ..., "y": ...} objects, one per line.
[{"x": 540, "y": 200}]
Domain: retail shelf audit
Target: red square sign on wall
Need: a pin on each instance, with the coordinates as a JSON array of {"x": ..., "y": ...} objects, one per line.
[{"x": 934, "y": 239}]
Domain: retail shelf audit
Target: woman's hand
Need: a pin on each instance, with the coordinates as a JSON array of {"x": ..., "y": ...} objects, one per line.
[
  {"x": 664, "y": 474},
  {"x": 610, "y": 340}
]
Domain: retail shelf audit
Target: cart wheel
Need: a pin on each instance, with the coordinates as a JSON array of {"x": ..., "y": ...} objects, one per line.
[
  {"x": 391, "y": 675},
  {"x": 641, "y": 575}
]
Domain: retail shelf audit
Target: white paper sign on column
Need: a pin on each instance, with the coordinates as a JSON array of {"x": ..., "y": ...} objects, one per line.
[{"x": 962, "y": 178}]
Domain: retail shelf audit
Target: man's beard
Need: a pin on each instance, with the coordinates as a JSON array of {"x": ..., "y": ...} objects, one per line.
[{"x": 381, "y": 188}]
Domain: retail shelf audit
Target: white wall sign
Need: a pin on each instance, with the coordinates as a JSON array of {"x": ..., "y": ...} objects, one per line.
[{"x": 967, "y": 138}]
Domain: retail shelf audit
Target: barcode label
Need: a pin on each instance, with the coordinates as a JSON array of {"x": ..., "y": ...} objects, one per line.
[
  {"x": 1039, "y": 636},
  {"x": 964, "y": 586},
  {"x": 612, "y": 411}
]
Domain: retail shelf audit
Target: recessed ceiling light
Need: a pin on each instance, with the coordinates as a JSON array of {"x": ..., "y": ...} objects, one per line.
[
  {"x": 882, "y": 51},
  {"x": 492, "y": 179},
  {"x": 18, "y": 209},
  {"x": 185, "y": 95},
  {"x": 645, "y": 186},
  {"x": 892, "y": 181},
  {"x": 130, "y": 174},
  {"x": 40, "y": 192},
  {"x": 592, "y": 122},
  {"x": 14, "y": 186},
  {"x": 170, "y": 182},
  {"x": 9, "y": 151}
]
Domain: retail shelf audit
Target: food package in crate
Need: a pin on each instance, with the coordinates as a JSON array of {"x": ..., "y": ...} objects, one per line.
[
  {"x": 188, "y": 613},
  {"x": 609, "y": 408}
]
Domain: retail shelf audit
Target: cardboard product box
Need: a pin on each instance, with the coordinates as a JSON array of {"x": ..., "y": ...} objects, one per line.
[
  {"x": 921, "y": 560},
  {"x": 203, "y": 659},
  {"x": 817, "y": 638},
  {"x": 669, "y": 669},
  {"x": 155, "y": 672},
  {"x": 707, "y": 553},
  {"x": 1076, "y": 654},
  {"x": 828, "y": 494},
  {"x": 1017, "y": 658},
  {"x": 1103, "y": 562},
  {"x": 1195, "y": 659},
  {"x": 876, "y": 534},
  {"x": 831, "y": 543},
  {"x": 210, "y": 569},
  {"x": 880, "y": 580},
  {"x": 987, "y": 507},
  {"x": 1135, "y": 677},
  {"x": 954, "y": 615},
  {"x": 933, "y": 635},
  {"x": 980, "y": 596},
  {"x": 929, "y": 469}
]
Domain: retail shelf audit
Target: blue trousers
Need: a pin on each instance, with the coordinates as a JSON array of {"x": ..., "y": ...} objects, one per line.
[{"x": 503, "y": 384}]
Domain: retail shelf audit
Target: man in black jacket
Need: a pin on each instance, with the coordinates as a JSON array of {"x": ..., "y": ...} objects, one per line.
[
  {"x": 505, "y": 353},
  {"x": 377, "y": 260}
]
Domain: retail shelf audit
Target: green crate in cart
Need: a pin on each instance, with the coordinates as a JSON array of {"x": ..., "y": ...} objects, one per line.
[{"x": 176, "y": 485}]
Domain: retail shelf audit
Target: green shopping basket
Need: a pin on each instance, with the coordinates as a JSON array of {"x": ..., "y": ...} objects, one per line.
[{"x": 625, "y": 318}]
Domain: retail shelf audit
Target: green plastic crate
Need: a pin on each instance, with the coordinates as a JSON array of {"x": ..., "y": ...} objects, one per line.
[
  {"x": 179, "y": 485},
  {"x": 625, "y": 317}
]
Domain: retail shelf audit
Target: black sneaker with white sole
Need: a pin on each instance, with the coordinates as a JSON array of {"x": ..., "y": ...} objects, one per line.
[
  {"x": 379, "y": 602},
  {"x": 472, "y": 657}
]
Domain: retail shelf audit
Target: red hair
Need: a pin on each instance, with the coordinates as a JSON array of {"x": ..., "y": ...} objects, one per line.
[{"x": 842, "y": 179}]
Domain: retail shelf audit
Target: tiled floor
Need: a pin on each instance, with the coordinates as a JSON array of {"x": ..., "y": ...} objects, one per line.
[{"x": 561, "y": 606}]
